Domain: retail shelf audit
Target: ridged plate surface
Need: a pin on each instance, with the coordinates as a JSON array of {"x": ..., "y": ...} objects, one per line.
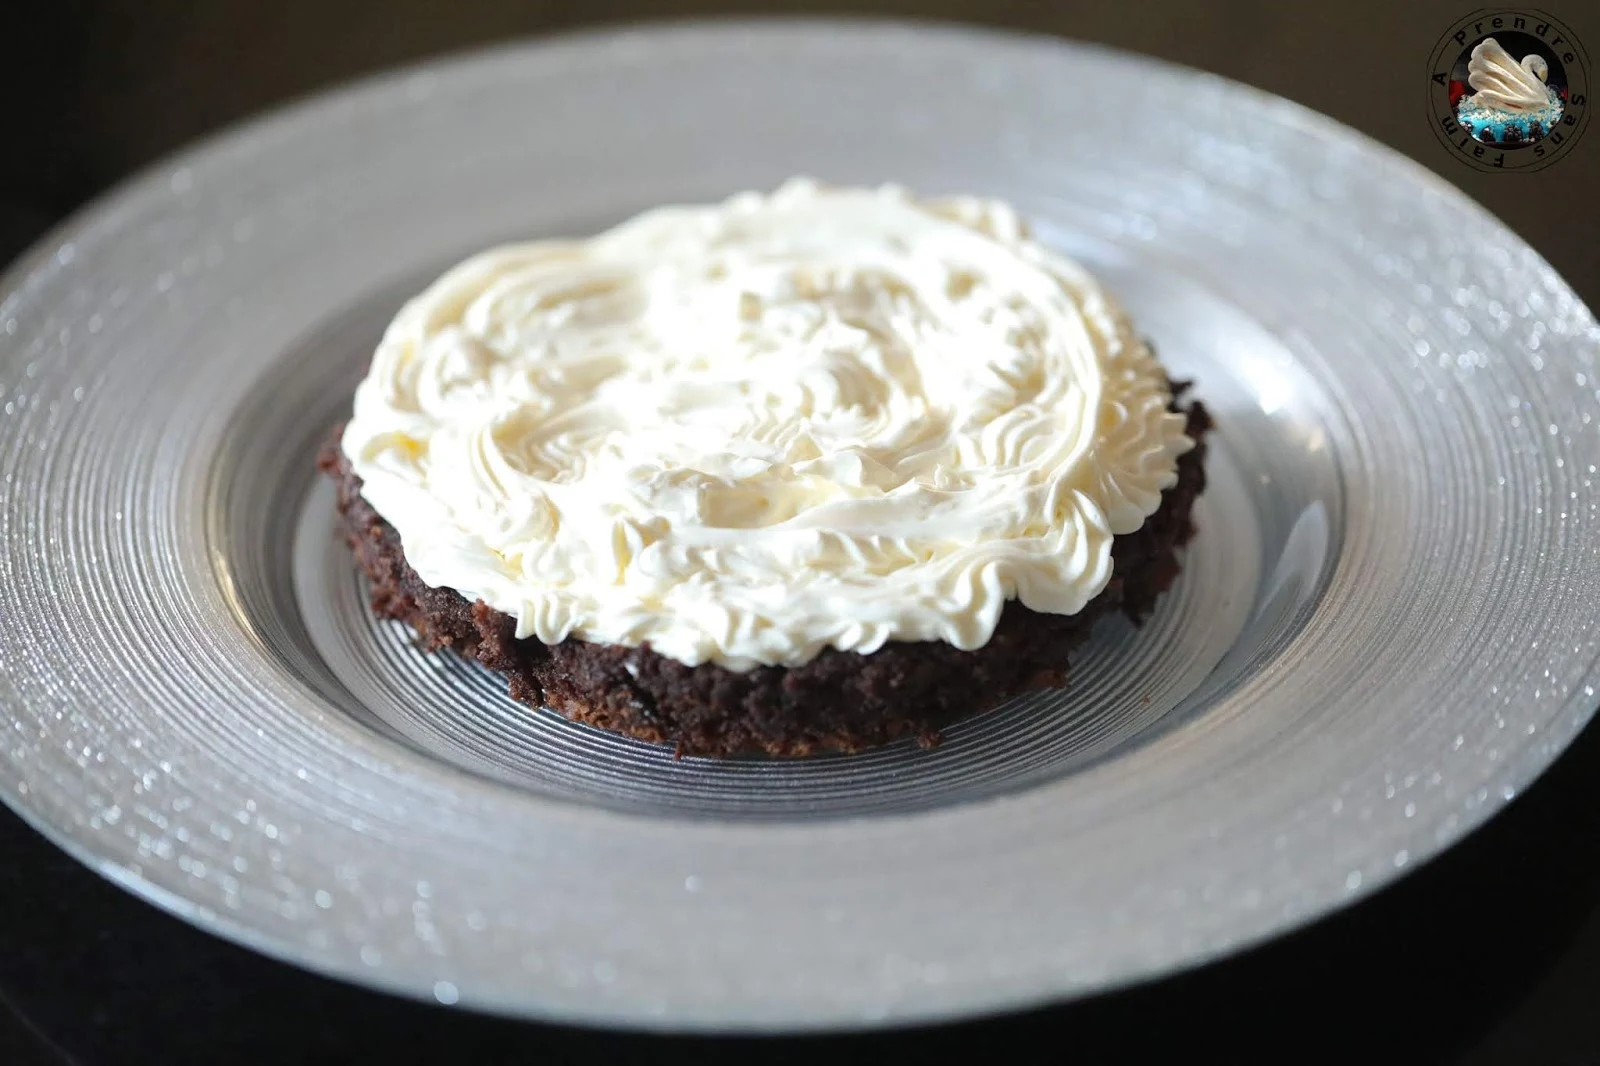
[{"x": 1386, "y": 627}]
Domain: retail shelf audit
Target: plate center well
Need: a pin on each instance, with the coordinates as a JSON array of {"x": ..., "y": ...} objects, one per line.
[{"x": 1268, "y": 539}]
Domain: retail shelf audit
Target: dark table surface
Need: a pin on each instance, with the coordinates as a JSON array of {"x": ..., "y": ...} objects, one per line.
[{"x": 1488, "y": 955}]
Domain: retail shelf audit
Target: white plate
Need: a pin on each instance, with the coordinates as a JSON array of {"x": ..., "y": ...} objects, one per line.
[{"x": 1385, "y": 628}]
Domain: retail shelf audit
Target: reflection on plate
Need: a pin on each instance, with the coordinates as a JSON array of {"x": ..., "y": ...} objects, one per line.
[{"x": 1383, "y": 632}]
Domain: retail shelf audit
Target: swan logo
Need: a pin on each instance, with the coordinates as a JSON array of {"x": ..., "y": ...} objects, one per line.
[{"x": 1508, "y": 90}]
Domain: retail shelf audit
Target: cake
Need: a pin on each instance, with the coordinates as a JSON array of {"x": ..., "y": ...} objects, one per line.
[
  {"x": 796, "y": 472},
  {"x": 1510, "y": 102}
]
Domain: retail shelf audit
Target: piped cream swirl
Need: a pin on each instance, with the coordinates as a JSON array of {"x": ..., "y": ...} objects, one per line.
[{"x": 746, "y": 432}]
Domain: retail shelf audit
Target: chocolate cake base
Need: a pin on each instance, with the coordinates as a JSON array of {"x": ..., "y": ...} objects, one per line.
[{"x": 839, "y": 701}]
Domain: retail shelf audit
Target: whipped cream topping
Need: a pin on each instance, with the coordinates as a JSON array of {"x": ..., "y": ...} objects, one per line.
[
  {"x": 746, "y": 432},
  {"x": 1499, "y": 81}
]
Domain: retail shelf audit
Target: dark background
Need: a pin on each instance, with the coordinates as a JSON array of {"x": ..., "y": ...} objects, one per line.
[{"x": 1489, "y": 955}]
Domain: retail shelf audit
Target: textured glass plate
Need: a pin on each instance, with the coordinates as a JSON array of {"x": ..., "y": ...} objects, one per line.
[{"x": 1385, "y": 628}]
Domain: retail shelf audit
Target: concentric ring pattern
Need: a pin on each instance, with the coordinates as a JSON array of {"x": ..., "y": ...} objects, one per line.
[{"x": 1385, "y": 630}]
